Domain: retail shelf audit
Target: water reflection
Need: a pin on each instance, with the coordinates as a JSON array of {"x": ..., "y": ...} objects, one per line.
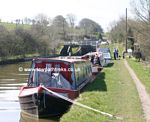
[
  {"x": 10, "y": 82},
  {"x": 9, "y": 74},
  {"x": 28, "y": 118},
  {"x": 9, "y": 106},
  {"x": 11, "y": 79}
]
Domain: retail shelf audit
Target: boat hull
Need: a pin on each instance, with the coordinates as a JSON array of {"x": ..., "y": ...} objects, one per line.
[{"x": 43, "y": 104}]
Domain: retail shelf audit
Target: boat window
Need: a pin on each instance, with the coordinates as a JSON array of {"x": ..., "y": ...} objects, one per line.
[
  {"x": 48, "y": 68},
  {"x": 56, "y": 80},
  {"x": 57, "y": 67},
  {"x": 43, "y": 77},
  {"x": 51, "y": 74},
  {"x": 84, "y": 73},
  {"x": 79, "y": 74}
]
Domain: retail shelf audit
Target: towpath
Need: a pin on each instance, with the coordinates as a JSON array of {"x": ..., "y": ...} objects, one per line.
[{"x": 144, "y": 96}]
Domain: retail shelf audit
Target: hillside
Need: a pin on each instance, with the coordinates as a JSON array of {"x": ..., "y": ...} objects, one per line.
[{"x": 12, "y": 26}]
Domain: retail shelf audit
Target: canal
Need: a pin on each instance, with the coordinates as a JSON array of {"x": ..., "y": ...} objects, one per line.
[{"x": 12, "y": 77}]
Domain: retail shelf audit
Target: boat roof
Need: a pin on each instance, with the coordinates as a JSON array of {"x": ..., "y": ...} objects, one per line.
[
  {"x": 104, "y": 50},
  {"x": 93, "y": 53},
  {"x": 70, "y": 59}
]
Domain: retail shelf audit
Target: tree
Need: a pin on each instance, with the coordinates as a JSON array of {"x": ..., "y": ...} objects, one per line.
[
  {"x": 40, "y": 25},
  {"x": 142, "y": 28},
  {"x": 60, "y": 26},
  {"x": 142, "y": 9},
  {"x": 42, "y": 20},
  {"x": 3, "y": 43},
  {"x": 28, "y": 42},
  {"x": 130, "y": 39},
  {"x": 27, "y": 20},
  {"x": 71, "y": 18},
  {"x": 90, "y": 27},
  {"x": 117, "y": 32}
]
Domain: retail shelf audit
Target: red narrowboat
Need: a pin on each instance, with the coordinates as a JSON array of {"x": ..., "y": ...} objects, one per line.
[{"x": 63, "y": 76}]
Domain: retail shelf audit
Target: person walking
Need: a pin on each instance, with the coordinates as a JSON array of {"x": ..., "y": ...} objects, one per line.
[{"x": 115, "y": 53}]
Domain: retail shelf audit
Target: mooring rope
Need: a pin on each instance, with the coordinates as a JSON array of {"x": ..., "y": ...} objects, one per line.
[{"x": 82, "y": 105}]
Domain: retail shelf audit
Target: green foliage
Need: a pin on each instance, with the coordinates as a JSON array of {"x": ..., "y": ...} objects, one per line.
[
  {"x": 60, "y": 24},
  {"x": 90, "y": 27},
  {"x": 130, "y": 39},
  {"x": 99, "y": 35},
  {"x": 13, "y": 26},
  {"x": 18, "y": 42},
  {"x": 40, "y": 35},
  {"x": 117, "y": 33}
]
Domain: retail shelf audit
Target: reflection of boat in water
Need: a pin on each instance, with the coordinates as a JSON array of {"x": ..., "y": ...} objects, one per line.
[
  {"x": 26, "y": 118},
  {"x": 52, "y": 76}
]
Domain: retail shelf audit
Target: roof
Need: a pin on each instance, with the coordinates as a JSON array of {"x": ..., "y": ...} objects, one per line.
[
  {"x": 93, "y": 53},
  {"x": 70, "y": 59}
]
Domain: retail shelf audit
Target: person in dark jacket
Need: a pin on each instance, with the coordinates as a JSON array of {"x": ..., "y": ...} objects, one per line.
[{"x": 115, "y": 53}]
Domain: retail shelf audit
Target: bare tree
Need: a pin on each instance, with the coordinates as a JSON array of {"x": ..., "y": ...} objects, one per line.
[
  {"x": 71, "y": 18},
  {"x": 142, "y": 28},
  {"x": 142, "y": 9},
  {"x": 42, "y": 19}
]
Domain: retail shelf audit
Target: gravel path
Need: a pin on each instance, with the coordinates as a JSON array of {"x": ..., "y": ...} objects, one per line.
[{"x": 144, "y": 96}]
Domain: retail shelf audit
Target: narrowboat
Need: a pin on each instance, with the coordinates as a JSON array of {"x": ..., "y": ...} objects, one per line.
[
  {"x": 107, "y": 55},
  {"x": 50, "y": 78},
  {"x": 97, "y": 61}
]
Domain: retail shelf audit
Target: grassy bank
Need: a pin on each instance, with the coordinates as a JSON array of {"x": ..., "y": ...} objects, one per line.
[
  {"x": 142, "y": 71},
  {"x": 12, "y": 26},
  {"x": 114, "y": 92}
]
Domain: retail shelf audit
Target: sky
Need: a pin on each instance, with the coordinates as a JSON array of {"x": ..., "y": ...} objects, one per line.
[{"x": 103, "y": 12}]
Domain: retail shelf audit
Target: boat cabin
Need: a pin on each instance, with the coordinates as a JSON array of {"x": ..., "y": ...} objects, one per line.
[
  {"x": 106, "y": 54},
  {"x": 60, "y": 73}
]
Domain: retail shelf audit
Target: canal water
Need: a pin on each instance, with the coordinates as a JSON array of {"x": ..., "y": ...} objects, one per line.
[{"x": 12, "y": 77}]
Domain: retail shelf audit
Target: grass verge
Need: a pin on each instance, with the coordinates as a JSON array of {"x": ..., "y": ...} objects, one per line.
[
  {"x": 113, "y": 91},
  {"x": 142, "y": 72}
]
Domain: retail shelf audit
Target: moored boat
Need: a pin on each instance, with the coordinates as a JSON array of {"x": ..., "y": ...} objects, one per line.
[
  {"x": 51, "y": 78},
  {"x": 107, "y": 55},
  {"x": 97, "y": 61}
]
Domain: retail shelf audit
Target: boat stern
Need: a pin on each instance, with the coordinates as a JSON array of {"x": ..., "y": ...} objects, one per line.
[{"x": 42, "y": 103}]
